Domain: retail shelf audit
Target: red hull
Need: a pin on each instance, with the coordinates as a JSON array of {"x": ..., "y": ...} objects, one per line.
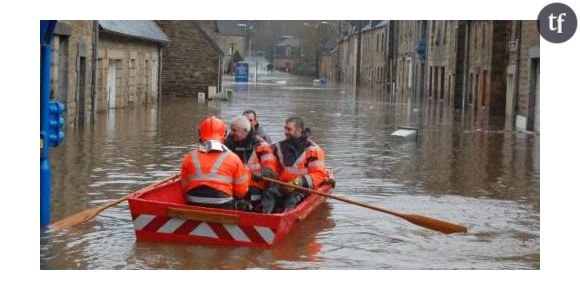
[{"x": 160, "y": 213}]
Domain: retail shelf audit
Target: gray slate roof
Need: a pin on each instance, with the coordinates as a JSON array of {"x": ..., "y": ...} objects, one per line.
[
  {"x": 142, "y": 29},
  {"x": 231, "y": 27}
]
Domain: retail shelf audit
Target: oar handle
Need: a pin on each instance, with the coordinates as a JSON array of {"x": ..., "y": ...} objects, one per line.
[{"x": 423, "y": 221}]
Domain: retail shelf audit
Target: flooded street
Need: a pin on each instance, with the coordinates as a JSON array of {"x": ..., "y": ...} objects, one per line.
[{"x": 462, "y": 168}]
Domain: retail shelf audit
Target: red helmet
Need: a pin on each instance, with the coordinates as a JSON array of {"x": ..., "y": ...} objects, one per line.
[{"x": 212, "y": 128}]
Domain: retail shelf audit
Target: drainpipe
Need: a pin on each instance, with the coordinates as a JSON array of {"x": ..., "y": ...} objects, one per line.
[
  {"x": 220, "y": 73},
  {"x": 425, "y": 61},
  {"x": 339, "y": 43},
  {"x": 465, "y": 66},
  {"x": 94, "y": 69},
  {"x": 358, "y": 54},
  {"x": 516, "y": 88},
  {"x": 159, "y": 73}
]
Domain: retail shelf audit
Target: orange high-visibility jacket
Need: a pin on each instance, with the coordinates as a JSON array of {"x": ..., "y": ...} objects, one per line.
[
  {"x": 260, "y": 158},
  {"x": 223, "y": 171},
  {"x": 309, "y": 165}
]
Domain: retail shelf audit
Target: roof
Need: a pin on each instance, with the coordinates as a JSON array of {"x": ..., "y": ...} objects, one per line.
[
  {"x": 382, "y": 23},
  {"x": 142, "y": 29},
  {"x": 289, "y": 41},
  {"x": 231, "y": 27},
  {"x": 367, "y": 27},
  {"x": 209, "y": 39}
]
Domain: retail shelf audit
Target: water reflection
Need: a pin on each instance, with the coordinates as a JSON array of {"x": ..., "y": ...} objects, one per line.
[{"x": 300, "y": 250}]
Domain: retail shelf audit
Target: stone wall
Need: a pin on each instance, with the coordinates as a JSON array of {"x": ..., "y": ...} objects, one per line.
[
  {"x": 373, "y": 56},
  {"x": 442, "y": 52},
  {"x": 190, "y": 62},
  {"x": 136, "y": 65},
  {"x": 71, "y": 67},
  {"x": 404, "y": 57}
]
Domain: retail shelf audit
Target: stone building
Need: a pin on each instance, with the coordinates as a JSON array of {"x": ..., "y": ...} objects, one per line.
[
  {"x": 404, "y": 58},
  {"x": 523, "y": 77},
  {"x": 445, "y": 63},
  {"x": 486, "y": 65},
  {"x": 231, "y": 38},
  {"x": 348, "y": 52},
  {"x": 286, "y": 54},
  {"x": 98, "y": 65},
  {"x": 72, "y": 65},
  {"x": 328, "y": 63},
  {"x": 128, "y": 63},
  {"x": 192, "y": 61},
  {"x": 373, "y": 53}
]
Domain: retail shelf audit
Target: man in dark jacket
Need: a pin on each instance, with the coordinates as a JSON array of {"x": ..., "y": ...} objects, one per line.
[
  {"x": 255, "y": 154},
  {"x": 259, "y": 131}
]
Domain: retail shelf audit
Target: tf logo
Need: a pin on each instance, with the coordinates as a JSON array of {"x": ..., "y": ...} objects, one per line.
[{"x": 557, "y": 22}]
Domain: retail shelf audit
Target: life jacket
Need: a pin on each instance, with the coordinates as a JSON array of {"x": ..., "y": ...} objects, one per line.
[
  {"x": 300, "y": 158},
  {"x": 256, "y": 155},
  {"x": 223, "y": 173}
]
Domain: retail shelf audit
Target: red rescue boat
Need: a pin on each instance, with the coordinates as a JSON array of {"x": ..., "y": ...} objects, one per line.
[{"x": 160, "y": 213}]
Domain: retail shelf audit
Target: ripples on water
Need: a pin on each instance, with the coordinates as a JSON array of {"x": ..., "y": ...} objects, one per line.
[{"x": 468, "y": 171}]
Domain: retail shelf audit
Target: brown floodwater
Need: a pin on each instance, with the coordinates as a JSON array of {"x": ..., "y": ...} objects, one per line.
[{"x": 461, "y": 168}]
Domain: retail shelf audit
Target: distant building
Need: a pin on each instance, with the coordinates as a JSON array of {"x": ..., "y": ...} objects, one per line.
[
  {"x": 404, "y": 57},
  {"x": 286, "y": 53},
  {"x": 348, "y": 51},
  {"x": 373, "y": 53},
  {"x": 231, "y": 38},
  {"x": 328, "y": 62},
  {"x": 192, "y": 60}
]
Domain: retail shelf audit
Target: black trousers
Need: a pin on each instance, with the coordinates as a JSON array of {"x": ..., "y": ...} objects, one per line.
[{"x": 275, "y": 197}]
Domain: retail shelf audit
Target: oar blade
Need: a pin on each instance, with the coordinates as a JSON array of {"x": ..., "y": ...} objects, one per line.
[
  {"x": 435, "y": 224},
  {"x": 75, "y": 219}
]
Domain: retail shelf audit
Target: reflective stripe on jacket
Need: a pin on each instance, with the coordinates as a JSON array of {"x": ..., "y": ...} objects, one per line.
[
  {"x": 309, "y": 165},
  {"x": 222, "y": 171},
  {"x": 261, "y": 157}
]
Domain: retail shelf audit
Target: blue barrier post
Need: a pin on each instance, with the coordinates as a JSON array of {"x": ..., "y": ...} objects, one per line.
[{"x": 46, "y": 32}]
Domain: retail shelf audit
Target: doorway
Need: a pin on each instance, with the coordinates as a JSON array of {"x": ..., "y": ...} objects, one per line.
[{"x": 112, "y": 83}]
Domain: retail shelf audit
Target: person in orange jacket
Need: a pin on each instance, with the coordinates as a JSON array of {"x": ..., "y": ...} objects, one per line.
[
  {"x": 300, "y": 161},
  {"x": 255, "y": 153},
  {"x": 212, "y": 175}
]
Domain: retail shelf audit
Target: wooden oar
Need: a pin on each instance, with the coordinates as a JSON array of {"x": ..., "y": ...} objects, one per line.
[
  {"x": 88, "y": 214},
  {"x": 423, "y": 221}
]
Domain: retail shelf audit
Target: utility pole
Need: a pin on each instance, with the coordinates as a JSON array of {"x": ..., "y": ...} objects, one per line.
[
  {"x": 358, "y": 53},
  {"x": 338, "y": 43}
]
